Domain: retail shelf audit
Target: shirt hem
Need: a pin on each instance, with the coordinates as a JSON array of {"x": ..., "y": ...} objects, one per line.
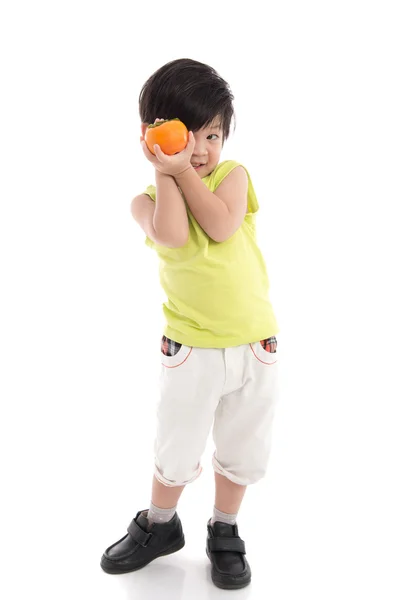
[{"x": 227, "y": 342}]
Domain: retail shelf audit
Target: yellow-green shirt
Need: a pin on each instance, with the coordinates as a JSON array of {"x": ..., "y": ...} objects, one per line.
[{"x": 217, "y": 292}]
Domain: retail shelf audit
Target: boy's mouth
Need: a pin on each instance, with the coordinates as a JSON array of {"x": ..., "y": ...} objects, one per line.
[{"x": 197, "y": 165}]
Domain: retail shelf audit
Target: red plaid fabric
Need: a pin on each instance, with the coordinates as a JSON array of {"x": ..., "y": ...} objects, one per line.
[
  {"x": 270, "y": 344},
  {"x": 169, "y": 347}
]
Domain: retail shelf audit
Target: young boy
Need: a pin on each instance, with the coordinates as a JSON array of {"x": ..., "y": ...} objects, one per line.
[{"x": 219, "y": 350}]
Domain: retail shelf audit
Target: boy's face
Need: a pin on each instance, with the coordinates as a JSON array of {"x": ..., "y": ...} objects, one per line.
[{"x": 207, "y": 151}]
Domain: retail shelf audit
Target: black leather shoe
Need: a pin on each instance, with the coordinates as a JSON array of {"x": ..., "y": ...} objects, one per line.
[
  {"x": 142, "y": 544},
  {"x": 226, "y": 551}
]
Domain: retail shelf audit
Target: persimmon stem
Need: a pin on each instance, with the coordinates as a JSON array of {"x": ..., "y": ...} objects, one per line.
[{"x": 158, "y": 123}]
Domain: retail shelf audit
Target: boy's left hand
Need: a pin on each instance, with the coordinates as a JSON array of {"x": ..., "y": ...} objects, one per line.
[{"x": 170, "y": 165}]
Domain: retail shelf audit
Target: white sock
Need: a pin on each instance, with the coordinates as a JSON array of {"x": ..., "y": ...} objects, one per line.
[
  {"x": 160, "y": 515},
  {"x": 218, "y": 515}
]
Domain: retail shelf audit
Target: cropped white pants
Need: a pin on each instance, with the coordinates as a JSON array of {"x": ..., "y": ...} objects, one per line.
[{"x": 234, "y": 388}]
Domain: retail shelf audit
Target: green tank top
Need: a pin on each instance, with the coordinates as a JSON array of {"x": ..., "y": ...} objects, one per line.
[{"x": 217, "y": 293}]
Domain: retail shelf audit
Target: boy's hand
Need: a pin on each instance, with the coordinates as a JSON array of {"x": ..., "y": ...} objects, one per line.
[{"x": 170, "y": 165}]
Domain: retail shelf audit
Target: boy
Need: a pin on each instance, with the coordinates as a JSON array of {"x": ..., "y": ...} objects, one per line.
[{"x": 219, "y": 350}]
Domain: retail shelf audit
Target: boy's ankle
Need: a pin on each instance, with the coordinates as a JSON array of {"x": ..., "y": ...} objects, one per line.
[{"x": 160, "y": 515}]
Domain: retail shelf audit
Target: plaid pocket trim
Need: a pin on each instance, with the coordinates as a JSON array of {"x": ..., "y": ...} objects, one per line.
[
  {"x": 270, "y": 344},
  {"x": 169, "y": 347}
]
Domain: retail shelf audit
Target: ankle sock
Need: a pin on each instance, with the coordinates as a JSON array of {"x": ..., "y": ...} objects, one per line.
[
  {"x": 218, "y": 515},
  {"x": 160, "y": 515}
]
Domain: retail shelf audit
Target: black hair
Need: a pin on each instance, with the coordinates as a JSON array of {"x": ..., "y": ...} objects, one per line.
[{"x": 190, "y": 91}]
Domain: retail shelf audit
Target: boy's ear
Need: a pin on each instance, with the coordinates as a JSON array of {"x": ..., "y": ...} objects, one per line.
[{"x": 143, "y": 128}]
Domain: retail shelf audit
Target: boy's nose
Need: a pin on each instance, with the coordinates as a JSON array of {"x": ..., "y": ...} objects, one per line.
[{"x": 199, "y": 152}]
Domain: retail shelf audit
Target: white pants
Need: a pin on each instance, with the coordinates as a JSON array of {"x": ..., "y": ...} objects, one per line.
[{"x": 234, "y": 387}]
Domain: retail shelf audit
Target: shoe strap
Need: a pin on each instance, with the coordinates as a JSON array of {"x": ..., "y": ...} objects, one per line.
[
  {"x": 138, "y": 534},
  {"x": 226, "y": 544}
]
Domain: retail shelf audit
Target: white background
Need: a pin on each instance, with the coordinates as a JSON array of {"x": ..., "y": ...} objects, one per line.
[{"x": 316, "y": 87}]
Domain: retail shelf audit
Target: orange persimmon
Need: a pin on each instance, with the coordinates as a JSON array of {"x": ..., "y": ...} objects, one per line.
[{"x": 171, "y": 135}]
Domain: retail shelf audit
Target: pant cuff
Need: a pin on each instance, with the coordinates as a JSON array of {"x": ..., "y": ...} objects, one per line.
[
  {"x": 169, "y": 483},
  {"x": 218, "y": 468}
]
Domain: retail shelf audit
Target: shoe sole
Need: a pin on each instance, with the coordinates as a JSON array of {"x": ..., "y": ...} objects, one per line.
[
  {"x": 115, "y": 570},
  {"x": 227, "y": 586}
]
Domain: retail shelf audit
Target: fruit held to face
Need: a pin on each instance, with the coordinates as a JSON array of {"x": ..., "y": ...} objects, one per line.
[{"x": 171, "y": 135}]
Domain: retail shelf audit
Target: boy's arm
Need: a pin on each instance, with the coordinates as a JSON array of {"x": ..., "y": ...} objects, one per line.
[
  {"x": 165, "y": 222},
  {"x": 221, "y": 213}
]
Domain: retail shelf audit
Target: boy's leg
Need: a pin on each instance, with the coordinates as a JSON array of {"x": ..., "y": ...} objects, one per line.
[
  {"x": 225, "y": 549},
  {"x": 191, "y": 384},
  {"x": 228, "y": 498},
  {"x": 242, "y": 435},
  {"x": 191, "y": 387},
  {"x": 164, "y": 500},
  {"x": 243, "y": 420},
  {"x": 165, "y": 496}
]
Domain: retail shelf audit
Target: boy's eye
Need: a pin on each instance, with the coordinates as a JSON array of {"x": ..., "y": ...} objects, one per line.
[{"x": 212, "y": 135}]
